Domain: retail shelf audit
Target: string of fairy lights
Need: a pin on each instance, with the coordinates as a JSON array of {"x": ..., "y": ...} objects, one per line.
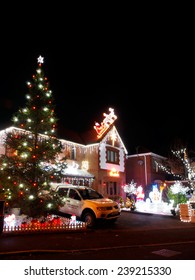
[{"x": 182, "y": 156}]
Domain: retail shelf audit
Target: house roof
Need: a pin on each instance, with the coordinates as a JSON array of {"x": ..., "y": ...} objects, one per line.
[
  {"x": 87, "y": 137},
  {"x": 82, "y": 138}
]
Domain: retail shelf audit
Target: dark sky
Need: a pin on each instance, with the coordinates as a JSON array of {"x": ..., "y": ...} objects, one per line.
[{"x": 146, "y": 77}]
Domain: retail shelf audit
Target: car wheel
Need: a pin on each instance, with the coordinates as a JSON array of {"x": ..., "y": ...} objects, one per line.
[{"x": 89, "y": 219}]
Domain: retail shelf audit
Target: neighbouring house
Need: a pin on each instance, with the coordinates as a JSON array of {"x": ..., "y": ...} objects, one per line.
[{"x": 143, "y": 168}]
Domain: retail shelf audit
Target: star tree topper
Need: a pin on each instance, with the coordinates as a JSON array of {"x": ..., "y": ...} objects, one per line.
[{"x": 40, "y": 59}]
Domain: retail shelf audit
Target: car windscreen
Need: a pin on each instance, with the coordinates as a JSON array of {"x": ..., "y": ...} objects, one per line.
[{"x": 89, "y": 194}]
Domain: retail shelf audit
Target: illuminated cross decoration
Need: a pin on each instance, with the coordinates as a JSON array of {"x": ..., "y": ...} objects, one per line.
[
  {"x": 113, "y": 137},
  {"x": 40, "y": 59}
]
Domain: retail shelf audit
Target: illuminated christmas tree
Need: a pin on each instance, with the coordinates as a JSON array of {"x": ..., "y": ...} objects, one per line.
[{"x": 32, "y": 151}]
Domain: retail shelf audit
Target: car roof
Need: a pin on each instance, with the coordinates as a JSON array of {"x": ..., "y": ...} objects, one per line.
[{"x": 56, "y": 186}]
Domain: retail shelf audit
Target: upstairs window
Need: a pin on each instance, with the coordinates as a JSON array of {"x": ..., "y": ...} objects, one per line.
[{"x": 112, "y": 156}]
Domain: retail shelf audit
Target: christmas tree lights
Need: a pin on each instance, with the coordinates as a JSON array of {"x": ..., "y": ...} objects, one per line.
[{"x": 31, "y": 146}]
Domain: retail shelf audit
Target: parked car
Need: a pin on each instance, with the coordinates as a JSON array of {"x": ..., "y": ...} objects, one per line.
[{"x": 86, "y": 204}]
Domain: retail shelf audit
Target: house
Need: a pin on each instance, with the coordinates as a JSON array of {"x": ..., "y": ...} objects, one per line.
[
  {"x": 99, "y": 154},
  {"x": 95, "y": 158},
  {"x": 143, "y": 168}
]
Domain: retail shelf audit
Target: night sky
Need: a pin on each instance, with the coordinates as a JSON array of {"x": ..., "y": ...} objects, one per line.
[{"x": 148, "y": 82}]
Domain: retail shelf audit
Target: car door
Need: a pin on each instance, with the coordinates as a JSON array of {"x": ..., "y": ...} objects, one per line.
[
  {"x": 73, "y": 203},
  {"x": 63, "y": 193}
]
